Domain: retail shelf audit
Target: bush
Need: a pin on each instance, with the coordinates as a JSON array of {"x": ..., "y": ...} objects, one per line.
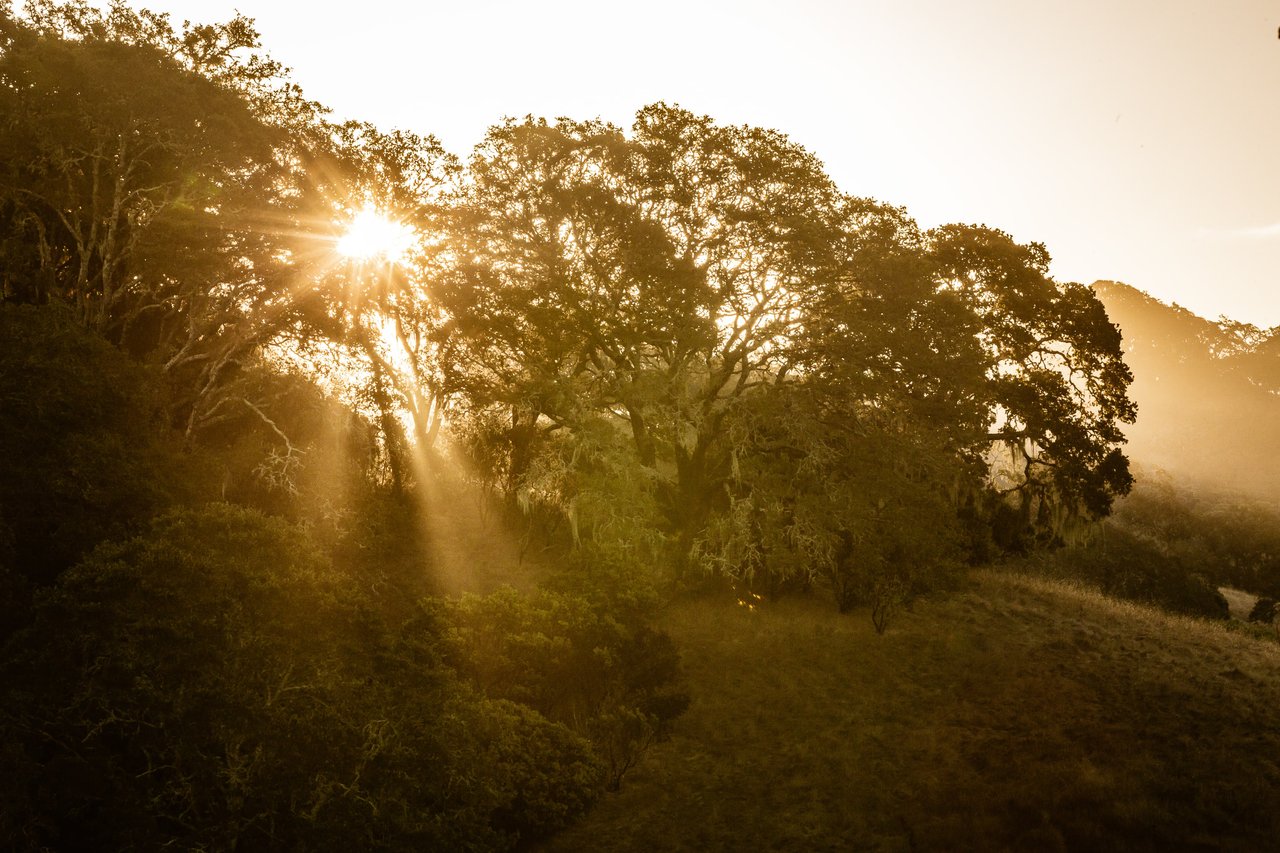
[
  {"x": 1227, "y": 538},
  {"x": 1264, "y": 610},
  {"x": 539, "y": 775},
  {"x": 601, "y": 671},
  {"x": 216, "y": 683},
  {"x": 83, "y": 455},
  {"x": 558, "y": 654},
  {"x": 1133, "y": 567}
]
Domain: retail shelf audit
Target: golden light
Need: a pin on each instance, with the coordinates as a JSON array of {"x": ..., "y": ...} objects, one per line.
[{"x": 373, "y": 235}]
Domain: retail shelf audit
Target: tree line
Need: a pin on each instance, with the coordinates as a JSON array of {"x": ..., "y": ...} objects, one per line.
[{"x": 695, "y": 303}]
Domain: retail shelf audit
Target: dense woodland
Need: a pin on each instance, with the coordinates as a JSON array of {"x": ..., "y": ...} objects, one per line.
[{"x": 672, "y": 357}]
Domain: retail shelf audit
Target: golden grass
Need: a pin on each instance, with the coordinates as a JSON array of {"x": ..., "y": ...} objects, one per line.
[{"x": 1016, "y": 714}]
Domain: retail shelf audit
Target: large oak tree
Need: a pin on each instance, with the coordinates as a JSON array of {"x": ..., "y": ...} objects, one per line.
[{"x": 671, "y": 281}]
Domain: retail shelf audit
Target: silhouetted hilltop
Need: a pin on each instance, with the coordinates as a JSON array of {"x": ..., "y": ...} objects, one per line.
[{"x": 1208, "y": 393}]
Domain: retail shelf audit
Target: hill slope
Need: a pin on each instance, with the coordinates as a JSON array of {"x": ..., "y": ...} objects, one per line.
[
  {"x": 1208, "y": 393},
  {"x": 1018, "y": 714}
]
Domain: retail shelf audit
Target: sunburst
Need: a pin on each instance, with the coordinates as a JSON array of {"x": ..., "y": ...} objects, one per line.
[{"x": 373, "y": 235}]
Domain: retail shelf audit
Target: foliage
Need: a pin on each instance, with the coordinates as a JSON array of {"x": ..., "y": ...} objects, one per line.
[
  {"x": 1175, "y": 546},
  {"x": 287, "y": 448},
  {"x": 1264, "y": 610},
  {"x": 599, "y": 277},
  {"x": 374, "y": 329},
  {"x": 622, "y": 735},
  {"x": 149, "y": 180},
  {"x": 663, "y": 293},
  {"x": 83, "y": 449},
  {"x": 612, "y": 316},
  {"x": 87, "y": 453},
  {"x": 1133, "y": 567},
  {"x": 223, "y": 685},
  {"x": 1056, "y": 378},
  {"x": 844, "y": 498},
  {"x": 600, "y": 671},
  {"x": 528, "y": 777},
  {"x": 377, "y": 536},
  {"x": 681, "y": 346}
]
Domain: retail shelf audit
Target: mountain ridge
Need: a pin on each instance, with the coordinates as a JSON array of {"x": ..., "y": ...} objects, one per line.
[{"x": 1208, "y": 393}]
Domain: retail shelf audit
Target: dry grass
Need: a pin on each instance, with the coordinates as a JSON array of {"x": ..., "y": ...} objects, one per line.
[{"x": 1016, "y": 714}]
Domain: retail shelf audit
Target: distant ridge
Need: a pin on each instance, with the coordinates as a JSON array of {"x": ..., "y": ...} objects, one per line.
[{"x": 1208, "y": 393}]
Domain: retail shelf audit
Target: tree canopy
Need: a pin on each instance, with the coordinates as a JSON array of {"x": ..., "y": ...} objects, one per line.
[
  {"x": 674, "y": 285},
  {"x": 665, "y": 330}
]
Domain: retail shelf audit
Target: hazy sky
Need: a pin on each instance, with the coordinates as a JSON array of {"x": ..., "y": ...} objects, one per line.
[{"x": 1138, "y": 139}]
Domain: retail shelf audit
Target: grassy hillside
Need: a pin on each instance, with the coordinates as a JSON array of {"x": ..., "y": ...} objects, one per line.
[{"x": 1017, "y": 714}]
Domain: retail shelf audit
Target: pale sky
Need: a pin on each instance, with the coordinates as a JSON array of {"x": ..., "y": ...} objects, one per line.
[{"x": 1138, "y": 139}]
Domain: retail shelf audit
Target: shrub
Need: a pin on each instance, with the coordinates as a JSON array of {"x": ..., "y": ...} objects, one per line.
[
  {"x": 82, "y": 449},
  {"x": 558, "y": 654},
  {"x": 1135, "y": 567},
  {"x": 601, "y": 671},
  {"x": 215, "y": 682},
  {"x": 1264, "y": 610}
]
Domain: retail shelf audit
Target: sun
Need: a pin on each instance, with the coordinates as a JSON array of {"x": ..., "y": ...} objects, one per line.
[{"x": 372, "y": 235}]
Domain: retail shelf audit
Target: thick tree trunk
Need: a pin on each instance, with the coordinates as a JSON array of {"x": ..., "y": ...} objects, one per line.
[
  {"x": 524, "y": 425},
  {"x": 646, "y": 449},
  {"x": 390, "y": 430},
  {"x": 692, "y": 498}
]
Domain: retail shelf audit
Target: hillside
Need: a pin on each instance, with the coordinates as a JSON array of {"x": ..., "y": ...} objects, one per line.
[
  {"x": 1207, "y": 393},
  {"x": 1017, "y": 714}
]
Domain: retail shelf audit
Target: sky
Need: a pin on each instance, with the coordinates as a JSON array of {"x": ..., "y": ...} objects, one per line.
[{"x": 1139, "y": 140}]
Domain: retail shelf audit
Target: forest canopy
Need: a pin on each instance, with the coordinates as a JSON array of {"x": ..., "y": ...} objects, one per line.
[{"x": 682, "y": 307}]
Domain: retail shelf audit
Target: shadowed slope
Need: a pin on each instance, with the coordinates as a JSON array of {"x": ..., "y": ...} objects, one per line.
[{"x": 1018, "y": 714}]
